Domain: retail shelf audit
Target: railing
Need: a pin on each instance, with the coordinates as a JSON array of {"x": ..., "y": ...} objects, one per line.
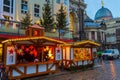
[
  {"x": 15, "y": 28},
  {"x": 20, "y": 71},
  {"x": 4, "y": 30},
  {"x": 11, "y": 27}
]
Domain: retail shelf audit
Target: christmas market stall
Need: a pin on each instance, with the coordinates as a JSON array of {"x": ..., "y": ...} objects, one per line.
[
  {"x": 32, "y": 55},
  {"x": 27, "y": 57},
  {"x": 79, "y": 54}
]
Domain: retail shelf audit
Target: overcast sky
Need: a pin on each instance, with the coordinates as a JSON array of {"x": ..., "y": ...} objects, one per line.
[{"x": 94, "y": 5}]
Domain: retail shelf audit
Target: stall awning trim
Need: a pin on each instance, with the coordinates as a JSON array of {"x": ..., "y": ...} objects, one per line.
[
  {"x": 86, "y": 42},
  {"x": 32, "y": 38}
]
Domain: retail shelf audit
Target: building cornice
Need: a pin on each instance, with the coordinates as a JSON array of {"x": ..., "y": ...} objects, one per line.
[{"x": 79, "y": 3}]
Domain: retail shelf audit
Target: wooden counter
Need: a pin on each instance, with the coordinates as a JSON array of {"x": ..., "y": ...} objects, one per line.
[{"x": 31, "y": 69}]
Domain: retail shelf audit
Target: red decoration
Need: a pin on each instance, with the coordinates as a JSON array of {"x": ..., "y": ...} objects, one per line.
[
  {"x": 27, "y": 49},
  {"x": 31, "y": 47},
  {"x": 35, "y": 33},
  {"x": 11, "y": 51},
  {"x": 22, "y": 47}
]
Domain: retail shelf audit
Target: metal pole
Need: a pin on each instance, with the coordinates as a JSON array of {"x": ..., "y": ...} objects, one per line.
[{"x": 81, "y": 23}]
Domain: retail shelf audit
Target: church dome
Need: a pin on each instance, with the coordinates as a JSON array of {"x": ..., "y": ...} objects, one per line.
[
  {"x": 89, "y": 23},
  {"x": 103, "y": 13}
]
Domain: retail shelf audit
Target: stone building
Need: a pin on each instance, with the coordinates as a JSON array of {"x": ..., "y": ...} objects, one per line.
[
  {"x": 15, "y": 10},
  {"x": 77, "y": 8},
  {"x": 112, "y": 26}
]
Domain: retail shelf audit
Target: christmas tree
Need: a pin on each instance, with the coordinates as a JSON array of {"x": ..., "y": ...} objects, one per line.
[
  {"x": 61, "y": 21},
  {"x": 47, "y": 21},
  {"x": 26, "y": 21}
]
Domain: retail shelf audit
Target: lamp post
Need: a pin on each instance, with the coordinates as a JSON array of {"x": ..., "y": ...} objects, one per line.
[
  {"x": 103, "y": 27},
  {"x": 81, "y": 22}
]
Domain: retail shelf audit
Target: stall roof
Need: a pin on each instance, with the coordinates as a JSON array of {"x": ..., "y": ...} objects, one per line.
[
  {"x": 33, "y": 40},
  {"x": 84, "y": 43},
  {"x": 36, "y": 26}
]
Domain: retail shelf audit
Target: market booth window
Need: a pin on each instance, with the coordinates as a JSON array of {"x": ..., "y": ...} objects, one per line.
[
  {"x": 34, "y": 49},
  {"x": 82, "y": 53},
  {"x": 26, "y": 53},
  {"x": 30, "y": 53}
]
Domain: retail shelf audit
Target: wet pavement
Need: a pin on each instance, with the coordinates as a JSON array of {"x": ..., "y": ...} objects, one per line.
[{"x": 106, "y": 70}]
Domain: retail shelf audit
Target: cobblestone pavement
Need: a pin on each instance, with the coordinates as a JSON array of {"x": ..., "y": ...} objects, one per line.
[{"x": 101, "y": 71}]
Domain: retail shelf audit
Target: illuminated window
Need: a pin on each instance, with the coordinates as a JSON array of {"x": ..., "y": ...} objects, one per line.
[{"x": 82, "y": 53}]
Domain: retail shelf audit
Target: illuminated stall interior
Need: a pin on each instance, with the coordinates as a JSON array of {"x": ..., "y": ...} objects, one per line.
[
  {"x": 34, "y": 49},
  {"x": 82, "y": 54},
  {"x": 78, "y": 54},
  {"x": 83, "y": 50},
  {"x": 79, "y": 50}
]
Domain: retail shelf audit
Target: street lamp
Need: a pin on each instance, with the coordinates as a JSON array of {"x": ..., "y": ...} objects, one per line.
[
  {"x": 81, "y": 22},
  {"x": 103, "y": 27}
]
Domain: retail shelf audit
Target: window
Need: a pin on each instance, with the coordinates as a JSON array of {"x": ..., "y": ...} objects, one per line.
[
  {"x": 6, "y": 6},
  {"x": 57, "y": 1},
  {"x": 36, "y": 10},
  {"x": 24, "y": 6},
  {"x": 93, "y": 35},
  {"x": 117, "y": 21},
  {"x": 7, "y": 2},
  {"x": 12, "y": 6},
  {"x": 6, "y": 9},
  {"x": 47, "y": 0},
  {"x": 65, "y": 2}
]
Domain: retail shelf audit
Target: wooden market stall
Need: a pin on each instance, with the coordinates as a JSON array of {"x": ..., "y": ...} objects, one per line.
[
  {"x": 32, "y": 55},
  {"x": 26, "y": 57},
  {"x": 79, "y": 53}
]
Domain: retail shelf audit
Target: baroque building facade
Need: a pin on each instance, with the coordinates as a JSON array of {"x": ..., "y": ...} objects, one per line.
[
  {"x": 112, "y": 27},
  {"x": 77, "y": 8},
  {"x": 14, "y": 10},
  {"x": 94, "y": 31}
]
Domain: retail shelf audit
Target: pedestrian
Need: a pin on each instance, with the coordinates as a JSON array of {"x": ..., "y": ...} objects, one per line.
[
  {"x": 99, "y": 57},
  {"x": 3, "y": 75}
]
